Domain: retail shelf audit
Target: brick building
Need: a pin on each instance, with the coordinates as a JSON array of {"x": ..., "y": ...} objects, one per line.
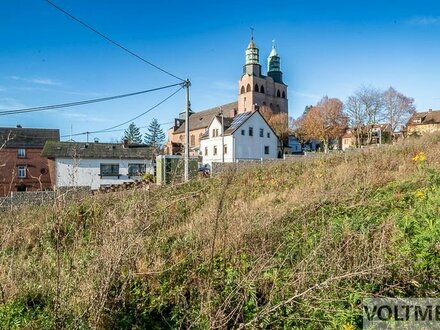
[
  {"x": 22, "y": 168},
  {"x": 424, "y": 122},
  {"x": 255, "y": 90}
]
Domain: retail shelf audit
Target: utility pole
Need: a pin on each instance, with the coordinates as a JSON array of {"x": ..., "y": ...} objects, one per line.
[
  {"x": 223, "y": 135},
  {"x": 187, "y": 84}
]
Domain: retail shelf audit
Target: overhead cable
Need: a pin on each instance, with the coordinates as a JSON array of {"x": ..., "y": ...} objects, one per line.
[
  {"x": 72, "y": 104},
  {"x": 111, "y": 40},
  {"x": 130, "y": 120}
]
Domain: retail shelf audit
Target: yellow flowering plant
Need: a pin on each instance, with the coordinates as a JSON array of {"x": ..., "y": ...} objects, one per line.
[{"x": 420, "y": 158}]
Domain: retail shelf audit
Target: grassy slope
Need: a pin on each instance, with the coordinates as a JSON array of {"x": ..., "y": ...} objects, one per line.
[{"x": 290, "y": 245}]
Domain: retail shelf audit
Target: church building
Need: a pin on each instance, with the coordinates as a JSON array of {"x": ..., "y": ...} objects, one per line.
[{"x": 255, "y": 90}]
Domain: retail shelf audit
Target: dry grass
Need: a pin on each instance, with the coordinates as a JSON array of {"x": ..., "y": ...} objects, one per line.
[{"x": 261, "y": 247}]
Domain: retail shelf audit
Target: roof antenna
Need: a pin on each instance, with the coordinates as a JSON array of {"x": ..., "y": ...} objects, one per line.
[
  {"x": 273, "y": 43},
  {"x": 252, "y": 33}
]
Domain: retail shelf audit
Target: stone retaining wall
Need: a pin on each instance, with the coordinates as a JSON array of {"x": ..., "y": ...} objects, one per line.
[{"x": 19, "y": 199}]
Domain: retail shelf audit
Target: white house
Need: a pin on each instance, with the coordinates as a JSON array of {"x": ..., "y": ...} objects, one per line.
[
  {"x": 74, "y": 164},
  {"x": 246, "y": 137},
  {"x": 294, "y": 146}
]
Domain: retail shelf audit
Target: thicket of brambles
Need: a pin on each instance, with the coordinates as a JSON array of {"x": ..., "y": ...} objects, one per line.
[{"x": 288, "y": 245}]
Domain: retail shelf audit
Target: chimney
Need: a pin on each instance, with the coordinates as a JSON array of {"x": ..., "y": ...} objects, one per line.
[{"x": 125, "y": 143}]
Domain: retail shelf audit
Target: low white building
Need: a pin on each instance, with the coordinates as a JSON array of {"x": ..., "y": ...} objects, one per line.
[
  {"x": 294, "y": 146},
  {"x": 74, "y": 164},
  {"x": 246, "y": 137}
]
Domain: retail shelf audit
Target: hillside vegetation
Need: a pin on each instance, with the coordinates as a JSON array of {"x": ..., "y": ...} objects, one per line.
[{"x": 293, "y": 245}]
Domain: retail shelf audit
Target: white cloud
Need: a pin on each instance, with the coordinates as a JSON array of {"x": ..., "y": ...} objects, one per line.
[
  {"x": 424, "y": 20},
  {"x": 37, "y": 81},
  {"x": 8, "y": 103},
  {"x": 85, "y": 118}
]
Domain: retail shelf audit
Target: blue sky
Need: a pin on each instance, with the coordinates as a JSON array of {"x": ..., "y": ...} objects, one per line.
[{"x": 326, "y": 48}]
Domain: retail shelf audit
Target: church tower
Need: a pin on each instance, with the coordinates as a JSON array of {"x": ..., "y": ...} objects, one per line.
[{"x": 256, "y": 90}]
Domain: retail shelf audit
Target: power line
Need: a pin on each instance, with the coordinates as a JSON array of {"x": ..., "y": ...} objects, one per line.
[
  {"x": 111, "y": 41},
  {"x": 111, "y": 131},
  {"x": 130, "y": 120},
  {"x": 72, "y": 104}
]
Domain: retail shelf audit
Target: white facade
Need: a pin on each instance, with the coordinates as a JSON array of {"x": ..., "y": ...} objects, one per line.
[
  {"x": 71, "y": 172},
  {"x": 252, "y": 140},
  {"x": 294, "y": 145}
]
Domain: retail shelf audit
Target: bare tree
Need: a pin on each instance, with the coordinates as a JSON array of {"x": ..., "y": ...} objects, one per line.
[
  {"x": 397, "y": 108},
  {"x": 325, "y": 121},
  {"x": 365, "y": 109},
  {"x": 356, "y": 117},
  {"x": 372, "y": 100}
]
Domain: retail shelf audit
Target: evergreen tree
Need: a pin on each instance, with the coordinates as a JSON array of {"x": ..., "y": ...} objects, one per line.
[
  {"x": 132, "y": 134},
  {"x": 155, "y": 136}
]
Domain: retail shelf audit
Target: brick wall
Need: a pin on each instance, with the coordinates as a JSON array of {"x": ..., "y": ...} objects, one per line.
[{"x": 37, "y": 171}]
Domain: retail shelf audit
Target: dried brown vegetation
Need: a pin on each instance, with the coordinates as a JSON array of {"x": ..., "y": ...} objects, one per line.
[{"x": 292, "y": 244}]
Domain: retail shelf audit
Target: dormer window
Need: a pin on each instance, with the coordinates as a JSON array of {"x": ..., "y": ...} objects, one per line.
[{"x": 417, "y": 120}]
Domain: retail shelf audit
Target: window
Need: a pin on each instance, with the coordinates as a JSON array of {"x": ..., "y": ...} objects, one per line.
[
  {"x": 21, "y": 172},
  {"x": 109, "y": 170},
  {"x": 262, "y": 89},
  {"x": 215, "y": 151},
  {"x": 248, "y": 88},
  {"x": 225, "y": 151},
  {"x": 242, "y": 132},
  {"x": 206, "y": 151},
  {"x": 256, "y": 88},
  {"x": 268, "y": 135},
  {"x": 21, "y": 188},
  {"x": 136, "y": 169},
  {"x": 278, "y": 93},
  {"x": 242, "y": 90},
  {"x": 261, "y": 132},
  {"x": 251, "y": 131},
  {"x": 21, "y": 153},
  {"x": 215, "y": 132},
  {"x": 284, "y": 95},
  {"x": 193, "y": 140},
  {"x": 266, "y": 150}
]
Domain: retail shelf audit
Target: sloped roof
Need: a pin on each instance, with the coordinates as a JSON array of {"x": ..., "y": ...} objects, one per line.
[
  {"x": 238, "y": 121},
  {"x": 95, "y": 150},
  {"x": 425, "y": 118},
  {"x": 28, "y": 138},
  {"x": 227, "y": 121},
  {"x": 202, "y": 119}
]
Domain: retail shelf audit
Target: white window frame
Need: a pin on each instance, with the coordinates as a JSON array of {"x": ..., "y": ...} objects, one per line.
[
  {"x": 21, "y": 153},
  {"x": 21, "y": 171}
]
